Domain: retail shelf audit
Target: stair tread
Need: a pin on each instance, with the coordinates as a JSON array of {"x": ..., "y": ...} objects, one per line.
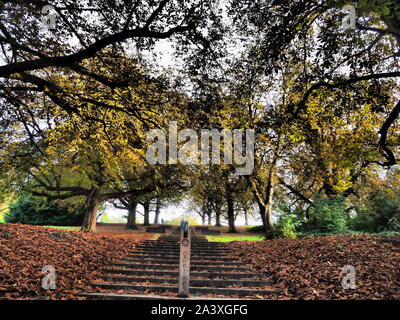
[
  {"x": 193, "y": 282},
  {"x": 168, "y": 266},
  {"x": 249, "y": 291},
  {"x": 118, "y": 296},
  {"x": 196, "y": 274}
]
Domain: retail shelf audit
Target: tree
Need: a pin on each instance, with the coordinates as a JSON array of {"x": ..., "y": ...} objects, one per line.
[
  {"x": 143, "y": 22},
  {"x": 60, "y": 157},
  {"x": 328, "y": 50}
]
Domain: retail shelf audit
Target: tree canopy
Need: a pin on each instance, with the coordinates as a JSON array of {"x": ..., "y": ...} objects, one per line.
[{"x": 77, "y": 103}]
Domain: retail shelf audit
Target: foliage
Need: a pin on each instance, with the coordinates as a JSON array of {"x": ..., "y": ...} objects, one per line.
[
  {"x": 323, "y": 102},
  {"x": 381, "y": 7},
  {"x": 255, "y": 229},
  {"x": 288, "y": 224},
  {"x": 328, "y": 215},
  {"x": 3, "y": 210},
  {"x": 381, "y": 213},
  {"x": 377, "y": 205},
  {"x": 274, "y": 233},
  {"x": 28, "y": 210}
]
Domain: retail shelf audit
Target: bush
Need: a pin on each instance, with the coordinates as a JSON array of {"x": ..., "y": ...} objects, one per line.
[
  {"x": 328, "y": 215},
  {"x": 27, "y": 210},
  {"x": 363, "y": 221},
  {"x": 285, "y": 227},
  {"x": 255, "y": 229},
  {"x": 394, "y": 224},
  {"x": 380, "y": 213},
  {"x": 288, "y": 224},
  {"x": 274, "y": 233}
]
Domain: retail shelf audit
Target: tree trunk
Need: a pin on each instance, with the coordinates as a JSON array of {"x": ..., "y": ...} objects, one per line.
[
  {"x": 146, "y": 207},
  {"x": 246, "y": 218},
  {"x": 262, "y": 210},
  {"x": 268, "y": 215},
  {"x": 209, "y": 214},
  {"x": 131, "y": 223},
  {"x": 231, "y": 213},
  {"x": 218, "y": 219},
  {"x": 157, "y": 215},
  {"x": 92, "y": 206},
  {"x": 203, "y": 219}
]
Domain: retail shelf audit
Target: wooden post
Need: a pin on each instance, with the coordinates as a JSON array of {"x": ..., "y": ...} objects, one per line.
[{"x": 184, "y": 262}]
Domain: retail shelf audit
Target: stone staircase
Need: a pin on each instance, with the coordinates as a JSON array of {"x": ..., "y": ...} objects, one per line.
[{"x": 151, "y": 271}]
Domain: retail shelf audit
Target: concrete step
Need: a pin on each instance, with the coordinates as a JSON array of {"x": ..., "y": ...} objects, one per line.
[
  {"x": 177, "y": 246},
  {"x": 193, "y": 282},
  {"x": 140, "y": 266},
  {"x": 176, "y": 253},
  {"x": 193, "y": 290},
  {"x": 192, "y": 252},
  {"x": 192, "y": 262},
  {"x": 116, "y": 296},
  {"x": 176, "y": 250},
  {"x": 165, "y": 273},
  {"x": 177, "y": 240},
  {"x": 203, "y": 248},
  {"x": 176, "y": 243},
  {"x": 176, "y": 263},
  {"x": 176, "y": 257}
]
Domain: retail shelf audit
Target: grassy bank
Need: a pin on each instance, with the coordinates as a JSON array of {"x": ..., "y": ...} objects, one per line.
[{"x": 229, "y": 238}]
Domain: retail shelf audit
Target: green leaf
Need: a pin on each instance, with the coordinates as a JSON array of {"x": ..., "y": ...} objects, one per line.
[{"x": 386, "y": 11}]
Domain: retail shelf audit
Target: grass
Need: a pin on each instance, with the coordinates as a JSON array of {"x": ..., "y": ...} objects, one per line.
[
  {"x": 229, "y": 238},
  {"x": 225, "y": 238},
  {"x": 64, "y": 228},
  {"x": 55, "y": 227}
]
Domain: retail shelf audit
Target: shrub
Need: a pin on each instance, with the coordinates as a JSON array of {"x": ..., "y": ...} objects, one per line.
[
  {"x": 273, "y": 233},
  {"x": 387, "y": 213},
  {"x": 288, "y": 224},
  {"x": 380, "y": 213},
  {"x": 364, "y": 221},
  {"x": 28, "y": 210},
  {"x": 328, "y": 215},
  {"x": 255, "y": 229}
]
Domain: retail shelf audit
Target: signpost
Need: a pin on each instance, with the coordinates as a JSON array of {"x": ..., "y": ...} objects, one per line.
[{"x": 184, "y": 260}]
